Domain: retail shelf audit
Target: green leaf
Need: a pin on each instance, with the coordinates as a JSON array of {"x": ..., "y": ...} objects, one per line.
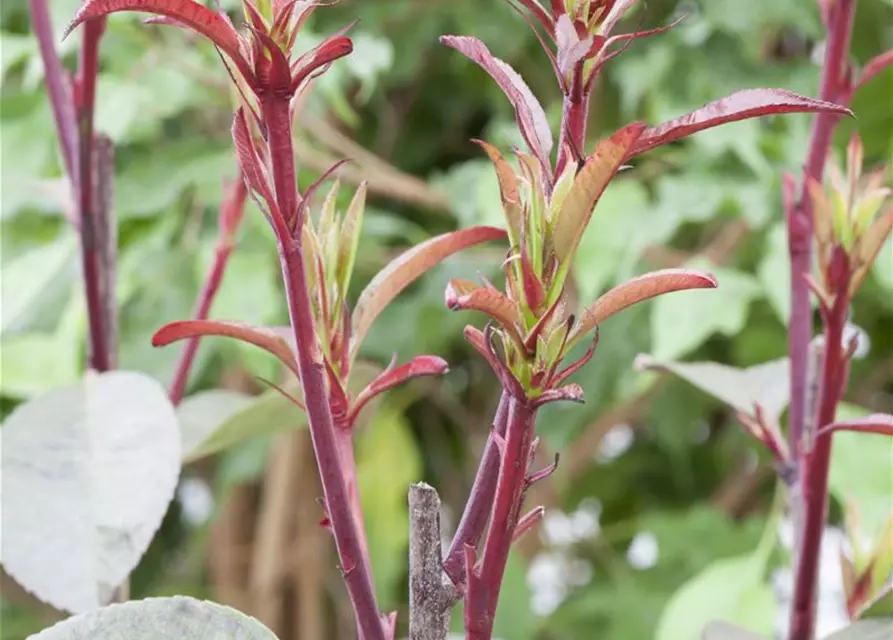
[
  {"x": 732, "y": 589},
  {"x": 878, "y": 629},
  {"x": 774, "y": 272},
  {"x": 154, "y": 618},
  {"x": 766, "y": 384},
  {"x": 858, "y": 461},
  {"x": 388, "y": 461},
  {"x": 202, "y": 414},
  {"x": 35, "y": 279},
  {"x": 268, "y": 414},
  {"x": 88, "y": 472},
  {"x": 718, "y": 630},
  {"x": 33, "y": 363},
  {"x": 685, "y": 320},
  {"x": 614, "y": 241},
  {"x": 883, "y": 265}
]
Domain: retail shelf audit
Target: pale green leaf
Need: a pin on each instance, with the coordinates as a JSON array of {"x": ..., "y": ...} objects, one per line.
[
  {"x": 685, "y": 320},
  {"x": 34, "y": 279},
  {"x": 202, "y": 414},
  {"x": 34, "y": 362},
  {"x": 731, "y": 589},
  {"x": 88, "y": 472},
  {"x": 862, "y": 471},
  {"x": 876, "y": 629},
  {"x": 388, "y": 461},
  {"x": 718, "y": 630},
  {"x": 766, "y": 384},
  {"x": 155, "y": 618},
  {"x": 774, "y": 272},
  {"x": 268, "y": 414}
]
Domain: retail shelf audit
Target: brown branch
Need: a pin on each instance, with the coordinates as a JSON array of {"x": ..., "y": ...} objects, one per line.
[
  {"x": 429, "y": 596},
  {"x": 384, "y": 179}
]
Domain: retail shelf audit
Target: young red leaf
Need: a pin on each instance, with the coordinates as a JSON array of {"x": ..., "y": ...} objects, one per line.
[
  {"x": 879, "y": 423},
  {"x": 741, "y": 105},
  {"x": 571, "y": 49},
  {"x": 196, "y": 16},
  {"x": 255, "y": 171},
  {"x": 874, "y": 66},
  {"x": 509, "y": 190},
  {"x": 466, "y": 295},
  {"x": 568, "y": 393},
  {"x": 528, "y": 111},
  {"x": 588, "y": 187},
  {"x": 394, "y": 376},
  {"x": 333, "y": 48},
  {"x": 539, "y": 12},
  {"x": 527, "y": 522},
  {"x": 405, "y": 269},
  {"x": 636, "y": 290},
  {"x": 266, "y": 339}
]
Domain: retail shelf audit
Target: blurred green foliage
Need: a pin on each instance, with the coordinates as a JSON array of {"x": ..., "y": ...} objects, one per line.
[{"x": 164, "y": 101}]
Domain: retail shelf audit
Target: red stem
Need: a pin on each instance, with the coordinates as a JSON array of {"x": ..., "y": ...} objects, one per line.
[
  {"x": 480, "y": 500},
  {"x": 354, "y": 565},
  {"x": 482, "y": 594},
  {"x": 230, "y": 216},
  {"x": 91, "y": 250},
  {"x": 815, "y": 470},
  {"x": 840, "y": 25},
  {"x": 202, "y": 308},
  {"x": 58, "y": 87},
  {"x": 574, "y": 113}
]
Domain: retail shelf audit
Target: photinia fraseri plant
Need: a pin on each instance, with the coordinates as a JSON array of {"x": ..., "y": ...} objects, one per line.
[
  {"x": 547, "y": 208},
  {"x": 316, "y": 262}
]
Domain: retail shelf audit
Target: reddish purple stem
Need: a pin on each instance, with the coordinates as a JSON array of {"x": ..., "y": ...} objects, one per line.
[
  {"x": 348, "y": 541},
  {"x": 815, "y": 466},
  {"x": 800, "y": 224},
  {"x": 202, "y": 308},
  {"x": 482, "y": 593},
  {"x": 91, "y": 250},
  {"x": 58, "y": 86},
  {"x": 480, "y": 500}
]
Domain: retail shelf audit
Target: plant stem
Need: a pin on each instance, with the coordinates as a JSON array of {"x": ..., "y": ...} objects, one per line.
[
  {"x": 58, "y": 86},
  {"x": 230, "y": 216},
  {"x": 800, "y": 222},
  {"x": 203, "y": 306},
  {"x": 815, "y": 471},
  {"x": 482, "y": 594},
  {"x": 277, "y": 117},
  {"x": 574, "y": 113},
  {"x": 480, "y": 500},
  {"x": 91, "y": 249}
]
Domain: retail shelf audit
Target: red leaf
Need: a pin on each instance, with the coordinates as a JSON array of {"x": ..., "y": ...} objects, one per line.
[
  {"x": 571, "y": 49},
  {"x": 879, "y": 423},
  {"x": 330, "y": 50},
  {"x": 874, "y": 66},
  {"x": 528, "y": 111},
  {"x": 255, "y": 171},
  {"x": 741, "y": 105},
  {"x": 196, "y": 16},
  {"x": 405, "y": 269},
  {"x": 266, "y": 339},
  {"x": 568, "y": 393},
  {"x": 466, "y": 295},
  {"x": 509, "y": 190},
  {"x": 636, "y": 290},
  {"x": 394, "y": 376},
  {"x": 539, "y": 12},
  {"x": 590, "y": 183}
]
